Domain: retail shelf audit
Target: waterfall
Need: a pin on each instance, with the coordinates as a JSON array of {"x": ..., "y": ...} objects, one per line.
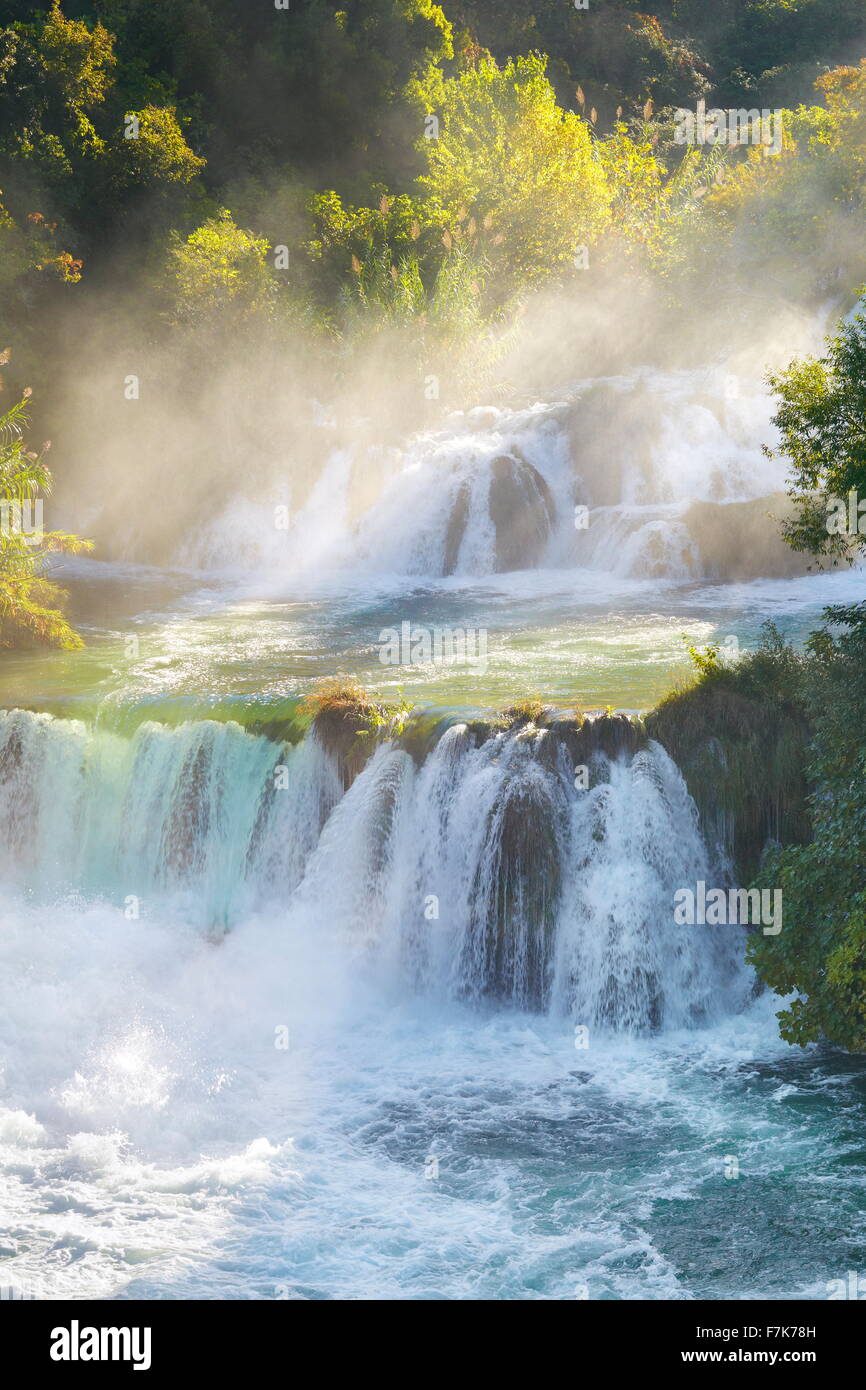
[
  {"x": 188, "y": 813},
  {"x": 487, "y": 871},
  {"x": 605, "y": 478}
]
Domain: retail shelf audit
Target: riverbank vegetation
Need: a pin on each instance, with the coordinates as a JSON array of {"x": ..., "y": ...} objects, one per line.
[
  {"x": 772, "y": 746},
  {"x": 322, "y": 179},
  {"x": 30, "y": 604},
  {"x": 771, "y": 749}
]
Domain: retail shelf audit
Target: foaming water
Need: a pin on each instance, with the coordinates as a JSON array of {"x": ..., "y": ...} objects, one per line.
[
  {"x": 243, "y": 1058},
  {"x": 155, "y": 1143},
  {"x": 186, "y": 813},
  {"x": 495, "y": 489},
  {"x": 270, "y": 1032},
  {"x": 499, "y": 870}
]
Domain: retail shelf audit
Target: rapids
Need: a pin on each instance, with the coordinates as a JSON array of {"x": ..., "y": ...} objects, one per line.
[{"x": 427, "y": 1031}]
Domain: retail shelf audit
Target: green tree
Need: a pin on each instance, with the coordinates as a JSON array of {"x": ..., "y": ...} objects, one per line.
[
  {"x": 517, "y": 169},
  {"x": 54, "y": 78},
  {"x": 617, "y": 57},
  {"x": 157, "y": 152},
  {"x": 793, "y": 220},
  {"x": 821, "y": 950},
  {"x": 821, "y": 416},
  {"x": 217, "y": 268},
  {"x": 29, "y": 603}
]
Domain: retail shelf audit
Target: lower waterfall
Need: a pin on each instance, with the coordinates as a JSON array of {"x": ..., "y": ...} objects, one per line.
[
  {"x": 420, "y": 1025},
  {"x": 489, "y": 870}
]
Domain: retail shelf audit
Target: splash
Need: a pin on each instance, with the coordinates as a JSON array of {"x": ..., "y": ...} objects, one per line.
[
  {"x": 486, "y": 871},
  {"x": 605, "y": 478}
]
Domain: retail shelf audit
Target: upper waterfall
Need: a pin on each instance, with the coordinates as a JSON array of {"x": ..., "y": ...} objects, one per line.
[{"x": 606, "y": 478}]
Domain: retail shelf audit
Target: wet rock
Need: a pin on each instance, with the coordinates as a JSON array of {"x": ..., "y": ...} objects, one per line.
[
  {"x": 509, "y": 950},
  {"x": 609, "y": 431},
  {"x": 345, "y": 732},
  {"x": 738, "y": 541},
  {"x": 456, "y": 529},
  {"x": 522, "y": 510},
  {"x": 610, "y": 734}
]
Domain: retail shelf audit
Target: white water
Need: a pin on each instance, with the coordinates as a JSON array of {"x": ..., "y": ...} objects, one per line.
[
  {"x": 422, "y": 1135},
  {"x": 428, "y": 942},
  {"x": 635, "y": 450},
  {"x": 485, "y": 872}
]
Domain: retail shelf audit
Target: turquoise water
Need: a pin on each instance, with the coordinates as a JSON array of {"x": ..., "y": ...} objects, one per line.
[
  {"x": 239, "y": 1058},
  {"x": 577, "y": 639}
]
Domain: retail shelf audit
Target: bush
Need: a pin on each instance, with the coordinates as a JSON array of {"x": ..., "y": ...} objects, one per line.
[{"x": 30, "y": 606}]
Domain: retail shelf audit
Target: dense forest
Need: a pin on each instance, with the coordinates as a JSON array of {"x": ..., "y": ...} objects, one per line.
[{"x": 393, "y": 164}]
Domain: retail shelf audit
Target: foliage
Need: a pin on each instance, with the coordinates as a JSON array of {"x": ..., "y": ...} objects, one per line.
[
  {"x": 706, "y": 660},
  {"x": 796, "y": 217},
  {"x": 613, "y": 52},
  {"x": 514, "y": 172},
  {"x": 346, "y": 719},
  {"x": 219, "y": 267},
  {"x": 158, "y": 152},
  {"x": 821, "y": 416},
  {"x": 338, "y": 695},
  {"x": 60, "y": 72},
  {"x": 821, "y": 950},
  {"x": 765, "y": 52},
  {"x": 403, "y": 274},
  {"x": 389, "y": 721},
  {"x": 732, "y": 718},
  {"x": 29, "y": 604},
  {"x": 310, "y": 127},
  {"x": 529, "y": 710}
]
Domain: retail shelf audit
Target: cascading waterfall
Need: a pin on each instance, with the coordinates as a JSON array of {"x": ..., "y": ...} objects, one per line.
[
  {"x": 487, "y": 871},
  {"x": 496, "y": 490},
  {"x": 251, "y": 988},
  {"x": 180, "y": 813}
]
